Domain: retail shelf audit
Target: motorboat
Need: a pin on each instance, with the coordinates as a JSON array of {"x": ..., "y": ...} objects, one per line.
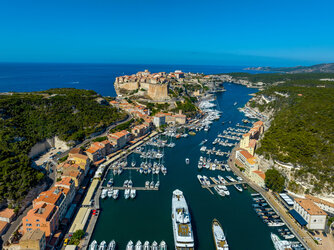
[
  {"x": 187, "y": 160},
  {"x": 147, "y": 245},
  {"x": 112, "y": 245},
  {"x": 129, "y": 246},
  {"x": 139, "y": 245},
  {"x": 93, "y": 245},
  {"x": 103, "y": 245},
  {"x": 162, "y": 245},
  {"x": 154, "y": 245},
  {"x": 127, "y": 193},
  {"x": 115, "y": 194},
  {"x": 133, "y": 193}
]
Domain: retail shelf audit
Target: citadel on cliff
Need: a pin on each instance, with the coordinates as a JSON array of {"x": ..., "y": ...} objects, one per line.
[{"x": 153, "y": 85}]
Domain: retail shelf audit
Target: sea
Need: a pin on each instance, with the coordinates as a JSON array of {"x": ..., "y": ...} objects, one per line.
[
  {"x": 25, "y": 77},
  {"x": 148, "y": 216}
]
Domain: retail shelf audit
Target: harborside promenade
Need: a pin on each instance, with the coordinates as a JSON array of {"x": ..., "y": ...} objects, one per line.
[
  {"x": 301, "y": 235},
  {"x": 84, "y": 219}
]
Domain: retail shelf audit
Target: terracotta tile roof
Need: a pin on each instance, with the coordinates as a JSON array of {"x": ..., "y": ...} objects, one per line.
[
  {"x": 260, "y": 173},
  {"x": 246, "y": 154},
  {"x": 51, "y": 196},
  {"x": 3, "y": 225},
  {"x": 310, "y": 207},
  {"x": 318, "y": 200},
  {"x": 42, "y": 210},
  {"x": 81, "y": 156},
  {"x": 65, "y": 181},
  {"x": 258, "y": 123},
  {"x": 75, "y": 151},
  {"x": 247, "y": 134},
  {"x": 7, "y": 213}
]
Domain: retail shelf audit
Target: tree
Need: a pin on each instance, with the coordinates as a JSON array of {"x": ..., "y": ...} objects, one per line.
[
  {"x": 77, "y": 236},
  {"x": 275, "y": 180}
]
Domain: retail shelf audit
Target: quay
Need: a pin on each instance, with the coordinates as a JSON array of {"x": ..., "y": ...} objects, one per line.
[
  {"x": 135, "y": 188},
  {"x": 84, "y": 219},
  {"x": 306, "y": 240}
]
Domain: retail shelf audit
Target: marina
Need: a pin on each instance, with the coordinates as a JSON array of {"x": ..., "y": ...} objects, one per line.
[{"x": 148, "y": 216}]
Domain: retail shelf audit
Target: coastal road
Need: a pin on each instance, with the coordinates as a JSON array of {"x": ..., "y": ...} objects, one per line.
[
  {"x": 300, "y": 233},
  {"x": 128, "y": 118}
]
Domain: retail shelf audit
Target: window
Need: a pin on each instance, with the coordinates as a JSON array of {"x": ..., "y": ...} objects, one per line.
[
  {"x": 38, "y": 225},
  {"x": 28, "y": 225},
  {"x": 37, "y": 219},
  {"x": 26, "y": 219}
]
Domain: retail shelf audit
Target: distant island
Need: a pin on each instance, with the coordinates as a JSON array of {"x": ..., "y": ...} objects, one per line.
[{"x": 318, "y": 68}]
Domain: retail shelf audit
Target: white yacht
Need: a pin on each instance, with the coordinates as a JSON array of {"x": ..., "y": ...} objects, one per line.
[
  {"x": 115, "y": 194},
  {"x": 139, "y": 245},
  {"x": 112, "y": 245},
  {"x": 103, "y": 245},
  {"x": 154, "y": 245},
  {"x": 110, "y": 192},
  {"x": 222, "y": 180},
  {"x": 280, "y": 244},
  {"x": 93, "y": 245},
  {"x": 200, "y": 179},
  {"x": 147, "y": 245},
  {"x": 238, "y": 187},
  {"x": 127, "y": 193},
  {"x": 219, "y": 236},
  {"x": 133, "y": 193},
  {"x": 225, "y": 190},
  {"x": 206, "y": 180},
  {"x": 162, "y": 245},
  {"x": 183, "y": 234},
  {"x": 104, "y": 193},
  {"x": 129, "y": 246},
  {"x": 219, "y": 190}
]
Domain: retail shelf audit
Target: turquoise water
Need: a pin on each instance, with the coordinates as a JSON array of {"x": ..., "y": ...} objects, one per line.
[{"x": 148, "y": 217}]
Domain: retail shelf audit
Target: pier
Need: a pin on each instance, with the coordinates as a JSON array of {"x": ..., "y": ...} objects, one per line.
[
  {"x": 226, "y": 184},
  {"x": 135, "y": 188}
]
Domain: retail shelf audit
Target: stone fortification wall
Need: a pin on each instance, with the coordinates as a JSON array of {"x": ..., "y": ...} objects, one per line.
[
  {"x": 43, "y": 146},
  {"x": 158, "y": 92}
]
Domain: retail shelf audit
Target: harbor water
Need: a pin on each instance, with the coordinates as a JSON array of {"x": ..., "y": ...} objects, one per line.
[{"x": 148, "y": 216}]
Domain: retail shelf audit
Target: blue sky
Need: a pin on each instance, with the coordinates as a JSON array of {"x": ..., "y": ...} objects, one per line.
[{"x": 218, "y": 32}]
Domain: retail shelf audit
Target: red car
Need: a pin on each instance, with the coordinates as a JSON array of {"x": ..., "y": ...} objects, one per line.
[{"x": 94, "y": 211}]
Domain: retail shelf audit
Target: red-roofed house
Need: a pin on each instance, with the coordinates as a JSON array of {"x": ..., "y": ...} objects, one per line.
[
  {"x": 120, "y": 138},
  {"x": 258, "y": 177},
  {"x": 247, "y": 161},
  {"x": 43, "y": 216}
]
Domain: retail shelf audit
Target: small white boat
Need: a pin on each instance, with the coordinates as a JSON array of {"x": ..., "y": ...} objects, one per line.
[
  {"x": 139, "y": 245},
  {"x": 103, "y": 245},
  {"x": 147, "y": 184},
  {"x": 206, "y": 180},
  {"x": 129, "y": 246},
  {"x": 280, "y": 244},
  {"x": 133, "y": 193},
  {"x": 125, "y": 184},
  {"x": 147, "y": 245},
  {"x": 157, "y": 184},
  {"x": 130, "y": 184},
  {"x": 127, "y": 193},
  {"x": 238, "y": 187},
  {"x": 115, "y": 194},
  {"x": 110, "y": 182},
  {"x": 104, "y": 193},
  {"x": 110, "y": 192},
  {"x": 222, "y": 180},
  {"x": 152, "y": 184},
  {"x": 93, "y": 245},
  {"x": 154, "y": 245},
  {"x": 112, "y": 245},
  {"x": 187, "y": 160},
  {"x": 201, "y": 180},
  {"x": 162, "y": 245},
  {"x": 219, "y": 190}
]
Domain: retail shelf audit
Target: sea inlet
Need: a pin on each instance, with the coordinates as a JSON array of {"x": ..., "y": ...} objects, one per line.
[{"x": 148, "y": 216}]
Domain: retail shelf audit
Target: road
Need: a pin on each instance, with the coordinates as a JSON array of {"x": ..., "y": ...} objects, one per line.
[
  {"x": 15, "y": 224},
  {"x": 128, "y": 118}
]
